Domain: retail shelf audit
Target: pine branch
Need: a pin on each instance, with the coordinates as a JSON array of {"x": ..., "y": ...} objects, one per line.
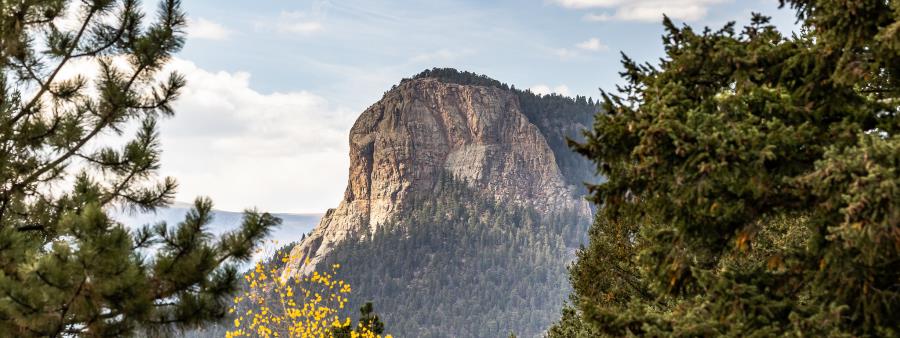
[
  {"x": 65, "y": 309},
  {"x": 65, "y": 156},
  {"x": 46, "y": 86}
]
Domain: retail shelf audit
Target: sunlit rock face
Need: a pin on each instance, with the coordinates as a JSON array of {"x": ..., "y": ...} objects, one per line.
[{"x": 423, "y": 128}]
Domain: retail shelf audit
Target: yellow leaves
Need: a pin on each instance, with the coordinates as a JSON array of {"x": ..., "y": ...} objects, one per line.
[
  {"x": 297, "y": 307},
  {"x": 337, "y": 323},
  {"x": 367, "y": 334}
]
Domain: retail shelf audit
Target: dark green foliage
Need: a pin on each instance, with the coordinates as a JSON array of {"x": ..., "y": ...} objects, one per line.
[
  {"x": 66, "y": 268},
  {"x": 368, "y": 322},
  {"x": 752, "y": 183},
  {"x": 571, "y": 325},
  {"x": 559, "y": 118},
  {"x": 451, "y": 75},
  {"x": 457, "y": 264}
]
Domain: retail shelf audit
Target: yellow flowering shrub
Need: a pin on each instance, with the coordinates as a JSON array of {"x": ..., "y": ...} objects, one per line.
[{"x": 308, "y": 306}]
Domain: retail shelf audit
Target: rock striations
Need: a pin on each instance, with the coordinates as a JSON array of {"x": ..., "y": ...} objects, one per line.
[{"x": 423, "y": 128}]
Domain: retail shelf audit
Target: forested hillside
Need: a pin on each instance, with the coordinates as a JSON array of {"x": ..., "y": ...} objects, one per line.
[{"x": 458, "y": 264}]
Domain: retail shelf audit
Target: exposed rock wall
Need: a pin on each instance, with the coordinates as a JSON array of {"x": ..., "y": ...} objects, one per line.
[{"x": 419, "y": 129}]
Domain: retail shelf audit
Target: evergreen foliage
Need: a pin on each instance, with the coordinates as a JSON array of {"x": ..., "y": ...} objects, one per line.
[
  {"x": 66, "y": 268},
  {"x": 571, "y": 325},
  {"x": 458, "y": 264},
  {"x": 368, "y": 322},
  {"x": 752, "y": 183}
]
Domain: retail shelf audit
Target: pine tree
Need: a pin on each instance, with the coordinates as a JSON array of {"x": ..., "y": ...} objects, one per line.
[
  {"x": 369, "y": 320},
  {"x": 752, "y": 182},
  {"x": 66, "y": 268},
  {"x": 369, "y": 324}
]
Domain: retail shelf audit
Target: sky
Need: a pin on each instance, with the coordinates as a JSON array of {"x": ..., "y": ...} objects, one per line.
[{"x": 274, "y": 86}]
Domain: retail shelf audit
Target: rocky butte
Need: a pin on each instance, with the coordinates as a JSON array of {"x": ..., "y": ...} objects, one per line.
[{"x": 475, "y": 130}]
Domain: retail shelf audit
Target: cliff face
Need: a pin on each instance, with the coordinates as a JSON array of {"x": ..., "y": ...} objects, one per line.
[{"x": 423, "y": 128}]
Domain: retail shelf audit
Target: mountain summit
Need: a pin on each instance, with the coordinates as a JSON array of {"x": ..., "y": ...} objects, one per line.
[
  {"x": 441, "y": 121},
  {"x": 463, "y": 199}
]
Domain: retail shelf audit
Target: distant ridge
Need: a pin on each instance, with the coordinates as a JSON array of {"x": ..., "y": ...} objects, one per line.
[
  {"x": 294, "y": 225},
  {"x": 188, "y": 205}
]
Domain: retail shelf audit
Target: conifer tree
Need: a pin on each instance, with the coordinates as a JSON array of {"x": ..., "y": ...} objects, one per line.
[
  {"x": 753, "y": 183},
  {"x": 66, "y": 268},
  {"x": 369, "y": 325},
  {"x": 369, "y": 320}
]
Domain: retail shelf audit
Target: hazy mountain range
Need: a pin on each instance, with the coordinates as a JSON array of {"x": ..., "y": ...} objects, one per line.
[{"x": 292, "y": 229}]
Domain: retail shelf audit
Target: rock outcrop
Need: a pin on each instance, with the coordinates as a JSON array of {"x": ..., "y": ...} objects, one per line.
[{"x": 423, "y": 128}]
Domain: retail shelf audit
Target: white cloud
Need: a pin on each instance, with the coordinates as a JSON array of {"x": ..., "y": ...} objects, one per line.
[
  {"x": 642, "y": 10},
  {"x": 285, "y": 151},
  {"x": 589, "y": 45},
  {"x": 543, "y": 89},
  {"x": 204, "y": 29},
  {"x": 298, "y": 23},
  {"x": 592, "y": 44}
]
